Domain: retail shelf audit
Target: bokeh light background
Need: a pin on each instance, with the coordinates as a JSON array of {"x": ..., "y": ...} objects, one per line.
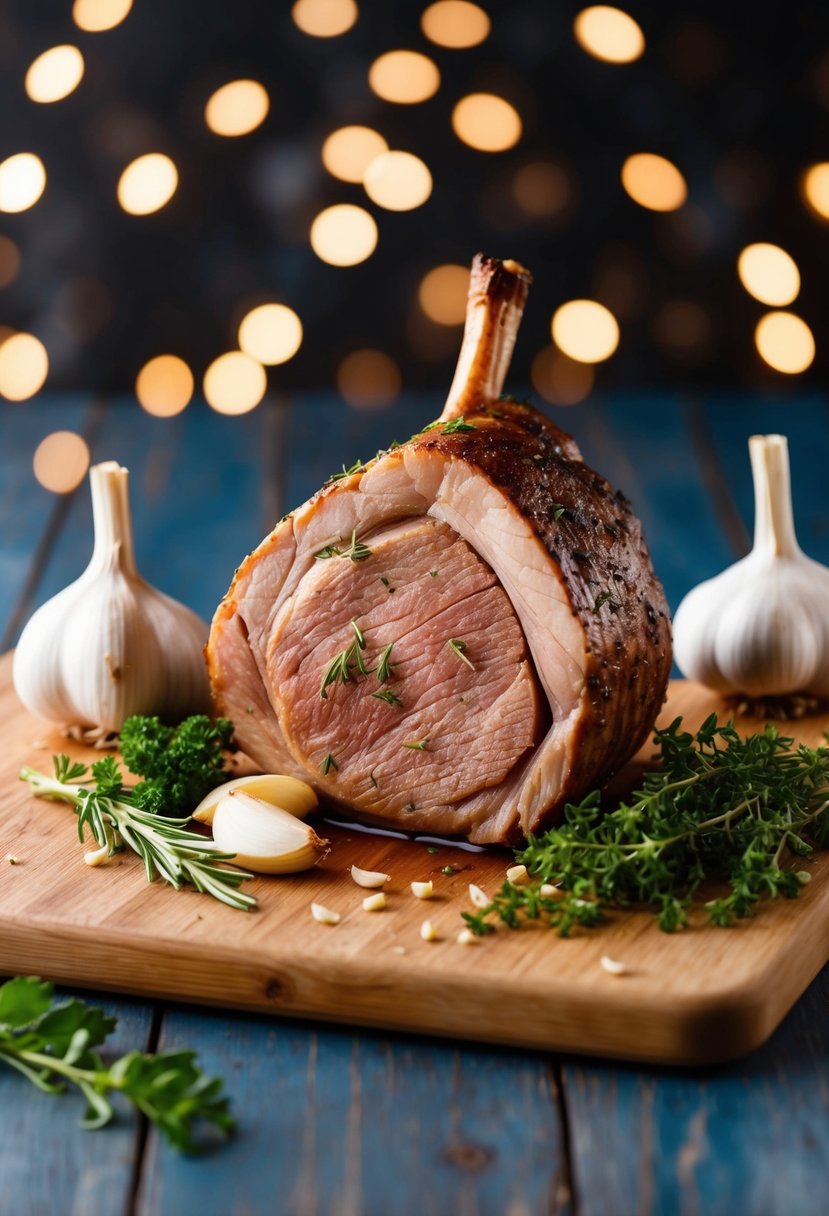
[{"x": 202, "y": 202}]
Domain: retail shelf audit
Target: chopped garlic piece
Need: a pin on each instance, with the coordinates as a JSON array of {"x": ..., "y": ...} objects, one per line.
[
  {"x": 479, "y": 898},
  {"x": 374, "y": 903},
  {"x": 517, "y": 875},
  {"x": 428, "y": 931},
  {"x": 96, "y": 857},
  {"x": 11, "y": 859},
  {"x": 612, "y": 966},
  {"x": 369, "y": 878},
  {"x": 467, "y": 938},
  {"x": 324, "y": 915},
  {"x": 423, "y": 890},
  {"x": 549, "y": 890}
]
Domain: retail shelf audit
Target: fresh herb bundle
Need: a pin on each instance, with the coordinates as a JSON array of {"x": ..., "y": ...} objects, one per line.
[
  {"x": 54, "y": 1046},
  {"x": 179, "y": 766},
  {"x": 719, "y": 807}
]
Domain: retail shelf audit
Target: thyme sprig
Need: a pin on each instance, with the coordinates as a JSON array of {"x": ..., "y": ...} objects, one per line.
[
  {"x": 357, "y": 551},
  {"x": 114, "y": 814},
  {"x": 718, "y": 808}
]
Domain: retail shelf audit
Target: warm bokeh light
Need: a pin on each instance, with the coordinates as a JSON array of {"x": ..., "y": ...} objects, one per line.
[
  {"x": 782, "y": 339},
  {"x": 815, "y": 188},
  {"x": 324, "y": 18},
  {"x": 486, "y": 122},
  {"x": 164, "y": 386},
  {"x": 585, "y": 330},
  {"x": 96, "y": 15},
  {"x": 271, "y": 334},
  {"x": 147, "y": 184},
  {"x": 455, "y": 23},
  {"x": 54, "y": 74},
  {"x": 609, "y": 34},
  {"x": 61, "y": 461},
  {"x": 654, "y": 182},
  {"x": 541, "y": 189},
  {"x": 769, "y": 274},
  {"x": 24, "y": 366},
  {"x": 405, "y": 77},
  {"x": 560, "y": 379},
  {"x": 234, "y": 383},
  {"x": 344, "y": 235},
  {"x": 442, "y": 294},
  {"x": 9, "y": 261},
  {"x": 348, "y": 152},
  {"x": 398, "y": 181},
  {"x": 237, "y": 108},
  {"x": 22, "y": 181},
  {"x": 368, "y": 379}
]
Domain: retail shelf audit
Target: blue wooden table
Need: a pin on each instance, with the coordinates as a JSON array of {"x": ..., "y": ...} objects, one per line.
[{"x": 357, "y": 1124}]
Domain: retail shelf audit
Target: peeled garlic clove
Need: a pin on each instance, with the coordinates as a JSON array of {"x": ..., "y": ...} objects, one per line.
[
  {"x": 479, "y": 898},
  {"x": 369, "y": 878},
  {"x": 324, "y": 915},
  {"x": 423, "y": 890},
  {"x": 263, "y": 837},
  {"x": 110, "y": 645},
  {"x": 374, "y": 903},
  {"x": 761, "y": 627},
  {"x": 467, "y": 938},
  {"x": 517, "y": 875},
  {"x": 288, "y": 793},
  {"x": 428, "y": 931}
]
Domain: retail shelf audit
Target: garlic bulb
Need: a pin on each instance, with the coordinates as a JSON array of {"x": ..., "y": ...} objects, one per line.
[
  {"x": 110, "y": 645},
  {"x": 288, "y": 793},
  {"x": 762, "y": 626},
  {"x": 263, "y": 837}
]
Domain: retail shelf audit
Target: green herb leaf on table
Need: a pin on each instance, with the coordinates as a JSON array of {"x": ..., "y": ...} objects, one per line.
[
  {"x": 52, "y": 1044},
  {"x": 719, "y": 808}
]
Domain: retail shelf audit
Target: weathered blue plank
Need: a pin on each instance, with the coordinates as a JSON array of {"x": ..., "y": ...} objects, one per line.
[
  {"x": 805, "y": 420},
  {"x": 196, "y": 490},
  {"x": 750, "y": 1137},
  {"x": 25, "y": 507},
  {"x": 48, "y": 1163},
  {"x": 641, "y": 443},
  {"x": 334, "y": 1122}
]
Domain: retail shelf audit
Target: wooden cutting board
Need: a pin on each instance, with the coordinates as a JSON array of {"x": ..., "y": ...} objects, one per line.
[{"x": 695, "y": 997}]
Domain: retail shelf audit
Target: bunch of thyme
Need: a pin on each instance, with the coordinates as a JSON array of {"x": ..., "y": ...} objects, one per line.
[{"x": 718, "y": 808}]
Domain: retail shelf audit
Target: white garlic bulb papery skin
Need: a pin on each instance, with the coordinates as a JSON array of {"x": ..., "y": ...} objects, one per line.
[
  {"x": 762, "y": 626},
  {"x": 110, "y": 645}
]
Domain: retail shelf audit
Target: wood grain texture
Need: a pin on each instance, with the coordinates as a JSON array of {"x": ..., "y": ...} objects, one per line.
[
  {"x": 48, "y": 1163},
  {"x": 348, "y": 1124},
  {"x": 751, "y": 1137},
  {"x": 694, "y": 997}
]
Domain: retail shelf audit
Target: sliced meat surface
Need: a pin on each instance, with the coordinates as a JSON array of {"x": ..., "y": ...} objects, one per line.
[
  {"x": 545, "y": 578},
  {"x": 457, "y": 704}
]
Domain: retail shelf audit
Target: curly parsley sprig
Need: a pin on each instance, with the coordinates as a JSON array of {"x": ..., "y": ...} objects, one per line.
[
  {"x": 53, "y": 1045},
  {"x": 719, "y": 807}
]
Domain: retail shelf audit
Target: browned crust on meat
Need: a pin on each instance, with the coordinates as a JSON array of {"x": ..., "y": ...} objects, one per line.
[{"x": 597, "y": 543}]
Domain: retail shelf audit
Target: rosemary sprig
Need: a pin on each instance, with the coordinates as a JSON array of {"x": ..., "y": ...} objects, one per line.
[
  {"x": 386, "y": 694},
  {"x": 385, "y": 667},
  {"x": 53, "y": 1045},
  {"x": 719, "y": 807},
  {"x": 328, "y": 763},
  {"x": 109, "y": 809},
  {"x": 357, "y": 551},
  {"x": 458, "y": 647},
  {"x": 338, "y": 670}
]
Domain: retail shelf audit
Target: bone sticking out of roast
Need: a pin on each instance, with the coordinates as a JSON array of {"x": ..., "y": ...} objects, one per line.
[{"x": 497, "y": 295}]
